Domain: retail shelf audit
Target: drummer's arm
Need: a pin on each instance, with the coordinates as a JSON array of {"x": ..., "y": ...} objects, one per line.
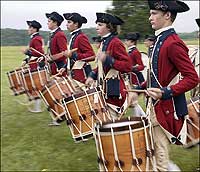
[
  {"x": 92, "y": 76},
  {"x": 66, "y": 53}
]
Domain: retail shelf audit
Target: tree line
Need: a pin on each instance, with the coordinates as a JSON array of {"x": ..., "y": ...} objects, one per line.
[
  {"x": 13, "y": 37},
  {"x": 134, "y": 13}
]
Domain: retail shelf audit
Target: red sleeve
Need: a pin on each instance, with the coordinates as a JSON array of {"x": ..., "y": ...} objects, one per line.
[
  {"x": 84, "y": 48},
  {"x": 178, "y": 54},
  {"x": 122, "y": 61},
  {"x": 61, "y": 42},
  {"x": 38, "y": 45},
  {"x": 138, "y": 59}
]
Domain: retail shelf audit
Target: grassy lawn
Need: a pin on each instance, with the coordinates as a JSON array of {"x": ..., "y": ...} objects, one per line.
[{"x": 28, "y": 144}]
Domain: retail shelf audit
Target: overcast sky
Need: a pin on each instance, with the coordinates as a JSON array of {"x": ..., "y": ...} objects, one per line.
[{"x": 14, "y": 14}]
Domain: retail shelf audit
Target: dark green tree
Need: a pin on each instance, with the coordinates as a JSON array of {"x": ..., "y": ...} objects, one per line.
[{"x": 135, "y": 15}]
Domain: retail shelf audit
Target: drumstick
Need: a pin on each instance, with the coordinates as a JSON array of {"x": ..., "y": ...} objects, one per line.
[
  {"x": 136, "y": 91},
  {"x": 45, "y": 56},
  {"x": 37, "y": 51},
  {"x": 31, "y": 63}
]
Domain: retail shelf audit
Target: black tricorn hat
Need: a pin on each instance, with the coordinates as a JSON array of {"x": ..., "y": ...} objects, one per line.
[
  {"x": 168, "y": 5},
  {"x": 96, "y": 39},
  {"x": 108, "y": 18},
  {"x": 198, "y": 21},
  {"x": 34, "y": 24},
  {"x": 75, "y": 17},
  {"x": 150, "y": 37},
  {"x": 132, "y": 36},
  {"x": 55, "y": 17}
]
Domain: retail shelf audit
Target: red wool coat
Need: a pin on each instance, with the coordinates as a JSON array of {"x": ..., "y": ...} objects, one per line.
[
  {"x": 173, "y": 58},
  {"x": 37, "y": 43},
  {"x": 122, "y": 63},
  {"x": 58, "y": 44},
  {"x": 85, "y": 51},
  {"x": 136, "y": 59}
]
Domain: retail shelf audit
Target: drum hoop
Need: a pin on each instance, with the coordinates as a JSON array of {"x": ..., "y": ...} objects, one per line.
[
  {"x": 123, "y": 128},
  {"x": 33, "y": 71},
  {"x": 18, "y": 70},
  {"x": 49, "y": 85},
  {"x": 81, "y": 94}
]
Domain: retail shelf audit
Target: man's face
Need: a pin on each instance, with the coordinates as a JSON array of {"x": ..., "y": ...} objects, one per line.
[
  {"x": 128, "y": 43},
  {"x": 102, "y": 29},
  {"x": 71, "y": 26},
  {"x": 148, "y": 43},
  {"x": 157, "y": 19},
  {"x": 51, "y": 24},
  {"x": 31, "y": 30}
]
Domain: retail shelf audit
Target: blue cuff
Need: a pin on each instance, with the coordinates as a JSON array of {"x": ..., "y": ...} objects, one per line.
[
  {"x": 74, "y": 56},
  {"x": 137, "y": 87},
  {"x": 167, "y": 93},
  {"x": 28, "y": 53},
  {"x": 109, "y": 61},
  {"x": 93, "y": 75},
  {"x": 134, "y": 69},
  {"x": 26, "y": 60},
  {"x": 65, "y": 66}
]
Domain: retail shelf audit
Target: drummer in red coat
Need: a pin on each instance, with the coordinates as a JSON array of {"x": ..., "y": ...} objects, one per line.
[
  {"x": 36, "y": 42},
  {"x": 78, "y": 61},
  {"x": 169, "y": 58},
  {"x": 135, "y": 77},
  {"x": 112, "y": 60},
  {"x": 57, "y": 45}
]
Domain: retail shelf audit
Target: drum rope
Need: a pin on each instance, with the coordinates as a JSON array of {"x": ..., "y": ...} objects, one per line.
[
  {"x": 193, "y": 103},
  {"x": 115, "y": 151},
  {"x": 46, "y": 103},
  {"x": 133, "y": 149},
  {"x": 147, "y": 144},
  {"x": 101, "y": 149},
  {"x": 97, "y": 145},
  {"x": 191, "y": 137},
  {"x": 40, "y": 77},
  {"x": 68, "y": 117},
  {"x": 47, "y": 73},
  {"x": 195, "y": 126},
  {"x": 58, "y": 86},
  {"x": 152, "y": 145},
  {"x": 92, "y": 109},
  {"x": 80, "y": 116},
  {"x": 31, "y": 78},
  {"x": 54, "y": 99},
  {"x": 101, "y": 103},
  {"x": 17, "y": 77},
  {"x": 10, "y": 80},
  {"x": 24, "y": 82},
  {"x": 68, "y": 85}
]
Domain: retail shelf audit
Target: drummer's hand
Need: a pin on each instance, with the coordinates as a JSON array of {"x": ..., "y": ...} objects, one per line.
[
  {"x": 60, "y": 72},
  {"x": 101, "y": 56},
  {"x": 40, "y": 59},
  {"x": 49, "y": 58},
  {"x": 89, "y": 81},
  {"x": 23, "y": 63},
  {"x": 155, "y": 93},
  {"x": 68, "y": 53}
]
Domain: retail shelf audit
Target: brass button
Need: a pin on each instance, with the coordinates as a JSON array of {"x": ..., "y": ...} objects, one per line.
[{"x": 167, "y": 112}]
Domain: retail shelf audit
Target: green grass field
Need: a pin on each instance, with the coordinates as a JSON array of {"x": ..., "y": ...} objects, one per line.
[{"x": 29, "y": 144}]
